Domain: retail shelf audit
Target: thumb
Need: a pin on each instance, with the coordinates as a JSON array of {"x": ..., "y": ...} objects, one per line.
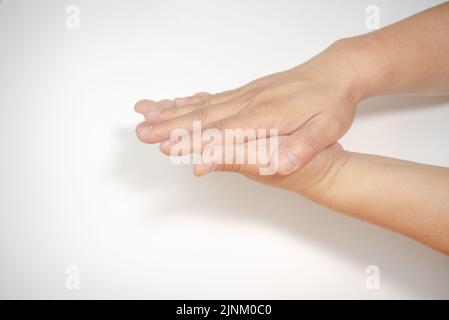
[
  {"x": 305, "y": 143},
  {"x": 249, "y": 158}
]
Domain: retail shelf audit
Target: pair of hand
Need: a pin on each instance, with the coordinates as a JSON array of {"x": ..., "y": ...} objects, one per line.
[{"x": 311, "y": 106}]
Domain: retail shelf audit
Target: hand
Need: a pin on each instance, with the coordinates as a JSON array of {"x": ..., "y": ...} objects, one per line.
[
  {"x": 312, "y": 180},
  {"x": 312, "y": 104}
]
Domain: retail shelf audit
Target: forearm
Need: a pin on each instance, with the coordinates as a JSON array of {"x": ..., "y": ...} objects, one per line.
[
  {"x": 410, "y": 56},
  {"x": 409, "y": 198}
]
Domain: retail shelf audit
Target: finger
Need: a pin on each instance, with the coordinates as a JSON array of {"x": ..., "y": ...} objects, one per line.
[
  {"x": 156, "y": 115},
  {"x": 142, "y": 130},
  {"x": 146, "y": 106},
  {"x": 305, "y": 143},
  {"x": 205, "y": 96},
  {"x": 161, "y": 131},
  {"x": 200, "y": 100},
  {"x": 163, "y": 114},
  {"x": 248, "y": 158},
  {"x": 143, "y": 106},
  {"x": 197, "y": 97}
]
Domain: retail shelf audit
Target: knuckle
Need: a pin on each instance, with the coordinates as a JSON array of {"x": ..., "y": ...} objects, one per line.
[
  {"x": 309, "y": 140},
  {"x": 200, "y": 113},
  {"x": 205, "y": 102},
  {"x": 173, "y": 110}
]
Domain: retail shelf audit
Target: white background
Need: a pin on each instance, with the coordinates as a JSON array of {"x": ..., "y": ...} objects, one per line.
[{"x": 77, "y": 188}]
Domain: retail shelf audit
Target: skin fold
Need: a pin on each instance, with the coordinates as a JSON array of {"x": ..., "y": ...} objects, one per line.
[{"x": 313, "y": 105}]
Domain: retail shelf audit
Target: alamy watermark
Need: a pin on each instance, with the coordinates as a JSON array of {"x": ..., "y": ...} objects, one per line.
[
  {"x": 372, "y": 21},
  {"x": 73, "y": 278},
  {"x": 212, "y": 146},
  {"x": 372, "y": 281},
  {"x": 72, "y": 19}
]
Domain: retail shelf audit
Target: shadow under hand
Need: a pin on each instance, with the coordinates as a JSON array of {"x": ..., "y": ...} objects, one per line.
[
  {"x": 230, "y": 196},
  {"x": 393, "y": 104}
]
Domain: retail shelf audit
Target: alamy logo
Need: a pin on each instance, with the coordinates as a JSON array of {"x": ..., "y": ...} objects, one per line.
[
  {"x": 373, "y": 277},
  {"x": 372, "y": 21},
  {"x": 72, "y": 19},
  {"x": 261, "y": 146},
  {"x": 73, "y": 279}
]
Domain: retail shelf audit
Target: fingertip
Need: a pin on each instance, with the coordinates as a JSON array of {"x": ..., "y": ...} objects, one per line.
[
  {"x": 145, "y": 105},
  {"x": 196, "y": 170},
  {"x": 165, "y": 147},
  {"x": 287, "y": 163},
  {"x": 202, "y": 169},
  {"x": 150, "y": 134},
  {"x": 142, "y": 132}
]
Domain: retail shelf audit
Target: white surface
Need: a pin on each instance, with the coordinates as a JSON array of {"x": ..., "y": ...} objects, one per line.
[{"x": 77, "y": 188}]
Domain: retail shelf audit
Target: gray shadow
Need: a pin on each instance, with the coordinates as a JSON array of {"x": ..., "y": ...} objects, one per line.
[
  {"x": 413, "y": 267},
  {"x": 395, "y": 104}
]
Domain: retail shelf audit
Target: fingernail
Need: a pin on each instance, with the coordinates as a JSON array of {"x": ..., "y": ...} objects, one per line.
[
  {"x": 287, "y": 162},
  {"x": 154, "y": 112},
  {"x": 145, "y": 130},
  {"x": 165, "y": 104},
  {"x": 165, "y": 144}
]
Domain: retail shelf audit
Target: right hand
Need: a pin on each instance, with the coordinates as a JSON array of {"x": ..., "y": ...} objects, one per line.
[
  {"x": 315, "y": 178},
  {"x": 313, "y": 105}
]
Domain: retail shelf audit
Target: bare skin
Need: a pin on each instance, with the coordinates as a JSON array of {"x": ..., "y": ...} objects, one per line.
[
  {"x": 313, "y": 105},
  {"x": 403, "y": 196}
]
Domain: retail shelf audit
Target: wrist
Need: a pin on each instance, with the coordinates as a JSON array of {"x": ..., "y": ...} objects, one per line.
[
  {"x": 373, "y": 66},
  {"x": 352, "y": 72},
  {"x": 321, "y": 175},
  {"x": 330, "y": 179}
]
